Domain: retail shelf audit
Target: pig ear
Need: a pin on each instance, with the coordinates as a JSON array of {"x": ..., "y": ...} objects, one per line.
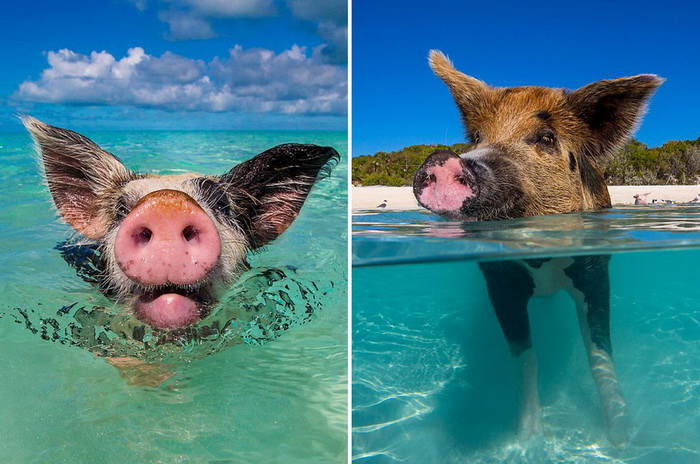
[
  {"x": 469, "y": 93},
  {"x": 78, "y": 173},
  {"x": 612, "y": 109},
  {"x": 273, "y": 186}
]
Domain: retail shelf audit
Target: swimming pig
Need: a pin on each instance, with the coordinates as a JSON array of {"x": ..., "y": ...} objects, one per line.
[
  {"x": 535, "y": 148},
  {"x": 169, "y": 244},
  {"x": 535, "y": 152}
]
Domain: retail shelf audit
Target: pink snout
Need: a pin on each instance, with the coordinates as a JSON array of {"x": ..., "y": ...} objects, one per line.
[
  {"x": 445, "y": 189},
  {"x": 167, "y": 239}
]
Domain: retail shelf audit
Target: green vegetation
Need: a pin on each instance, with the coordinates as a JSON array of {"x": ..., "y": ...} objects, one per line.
[
  {"x": 672, "y": 163},
  {"x": 396, "y": 168},
  {"x": 675, "y": 162}
]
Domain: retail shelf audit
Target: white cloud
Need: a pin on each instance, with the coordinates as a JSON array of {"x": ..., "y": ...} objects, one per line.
[
  {"x": 192, "y": 19},
  {"x": 320, "y": 10},
  {"x": 331, "y": 18},
  {"x": 252, "y": 80},
  {"x": 139, "y": 4},
  {"x": 195, "y": 19},
  {"x": 232, "y": 9},
  {"x": 185, "y": 26},
  {"x": 335, "y": 47}
]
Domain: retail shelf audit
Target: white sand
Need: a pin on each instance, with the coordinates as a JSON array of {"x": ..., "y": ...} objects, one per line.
[{"x": 397, "y": 198}]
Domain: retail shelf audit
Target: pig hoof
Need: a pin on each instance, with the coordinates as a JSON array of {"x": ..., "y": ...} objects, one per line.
[
  {"x": 620, "y": 430},
  {"x": 530, "y": 425},
  {"x": 141, "y": 373}
]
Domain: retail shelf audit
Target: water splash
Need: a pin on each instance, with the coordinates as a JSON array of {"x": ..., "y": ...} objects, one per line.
[{"x": 262, "y": 305}]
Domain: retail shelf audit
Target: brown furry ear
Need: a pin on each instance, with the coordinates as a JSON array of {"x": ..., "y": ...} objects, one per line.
[
  {"x": 469, "y": 93},
  {"x": 78, "y": 172},
  {"x": 612, "y": 109}
]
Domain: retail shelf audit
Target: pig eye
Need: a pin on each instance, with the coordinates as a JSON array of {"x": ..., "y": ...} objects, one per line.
[
  {"x": 462, "y": 179},
  {"x": 546, "y": 139},
  {"x": 214, "y": 196},
  {"x": 120, "y": 209},
  {"x": 220, "y": 204},
  {"x": 223, "y": 206}
]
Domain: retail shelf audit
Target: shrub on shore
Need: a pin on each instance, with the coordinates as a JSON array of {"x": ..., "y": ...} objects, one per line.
[{"x": 673, "y": 163}]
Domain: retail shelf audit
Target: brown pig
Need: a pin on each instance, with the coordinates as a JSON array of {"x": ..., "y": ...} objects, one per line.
[
  {"x": 536, "y": 148},
  {"x": 535, "y": 152}
]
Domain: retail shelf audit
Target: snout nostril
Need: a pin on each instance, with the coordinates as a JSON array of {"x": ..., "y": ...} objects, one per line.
[
  {"x": 190, "y": 234},
  {"x": 142, "y": 235}
]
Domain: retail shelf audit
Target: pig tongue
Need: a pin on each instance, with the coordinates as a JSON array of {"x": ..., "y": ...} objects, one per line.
[{"x": 168, "y": 311}]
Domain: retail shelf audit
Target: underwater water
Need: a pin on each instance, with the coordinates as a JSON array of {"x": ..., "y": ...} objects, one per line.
[
  {"x": 433, "y": 380},
  {"x": 267, "y": 382}
]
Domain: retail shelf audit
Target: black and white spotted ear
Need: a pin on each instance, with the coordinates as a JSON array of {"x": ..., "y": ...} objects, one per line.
[
  {"x": 612, "y": 108},
  {"x": 272, "y": 187},
  {"x": 78, "y": 174}
]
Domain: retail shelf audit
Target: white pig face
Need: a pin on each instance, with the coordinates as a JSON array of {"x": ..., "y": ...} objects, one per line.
[{"x": 169, "y": 244}]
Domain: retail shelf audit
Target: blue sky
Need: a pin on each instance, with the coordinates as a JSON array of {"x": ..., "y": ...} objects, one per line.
[
  {"x": 397, "y": 101},
  {"x": 175, "y": 64}
]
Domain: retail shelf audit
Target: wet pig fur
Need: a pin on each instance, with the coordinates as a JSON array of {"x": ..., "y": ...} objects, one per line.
[
  {"x": 170, "y": 244},
  {"x": 535, "y": 151}
]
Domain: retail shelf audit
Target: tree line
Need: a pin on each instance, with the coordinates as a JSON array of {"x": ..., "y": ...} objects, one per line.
[{"x": 673, "y": 163}]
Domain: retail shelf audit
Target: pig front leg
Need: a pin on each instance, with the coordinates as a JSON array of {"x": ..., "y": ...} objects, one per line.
[
  {"x": 510, "y": 288},
  {"x": 141, "y": 373},
  {"x": 591, "y": 292}
]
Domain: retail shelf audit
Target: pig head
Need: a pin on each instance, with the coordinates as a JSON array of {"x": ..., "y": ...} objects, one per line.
[
  {"x": 170, "y": 244},
  {"x": 535, "y": 148}
]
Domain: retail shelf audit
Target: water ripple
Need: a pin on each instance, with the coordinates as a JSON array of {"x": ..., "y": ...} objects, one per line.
[{"x": 412, "y": 236}]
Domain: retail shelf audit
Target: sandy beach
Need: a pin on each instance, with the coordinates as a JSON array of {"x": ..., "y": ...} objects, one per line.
[{"x": 397, "y": 198}]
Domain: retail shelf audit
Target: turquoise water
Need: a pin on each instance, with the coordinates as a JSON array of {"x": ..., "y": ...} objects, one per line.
[
  {"x": 271, "y": 387},
  {"x": 433, "y": 381}
]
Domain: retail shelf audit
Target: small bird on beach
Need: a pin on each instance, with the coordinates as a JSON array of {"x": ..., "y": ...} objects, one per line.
[{"x": 383, "y": 205}]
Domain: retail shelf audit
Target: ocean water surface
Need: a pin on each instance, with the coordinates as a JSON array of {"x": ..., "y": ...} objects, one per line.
[
  {"x": 269, "y": 385},
  {"x": 433, "y": 381}
]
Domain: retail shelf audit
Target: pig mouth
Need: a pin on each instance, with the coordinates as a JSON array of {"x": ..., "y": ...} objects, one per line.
[{"x": 171, "y": 307}]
